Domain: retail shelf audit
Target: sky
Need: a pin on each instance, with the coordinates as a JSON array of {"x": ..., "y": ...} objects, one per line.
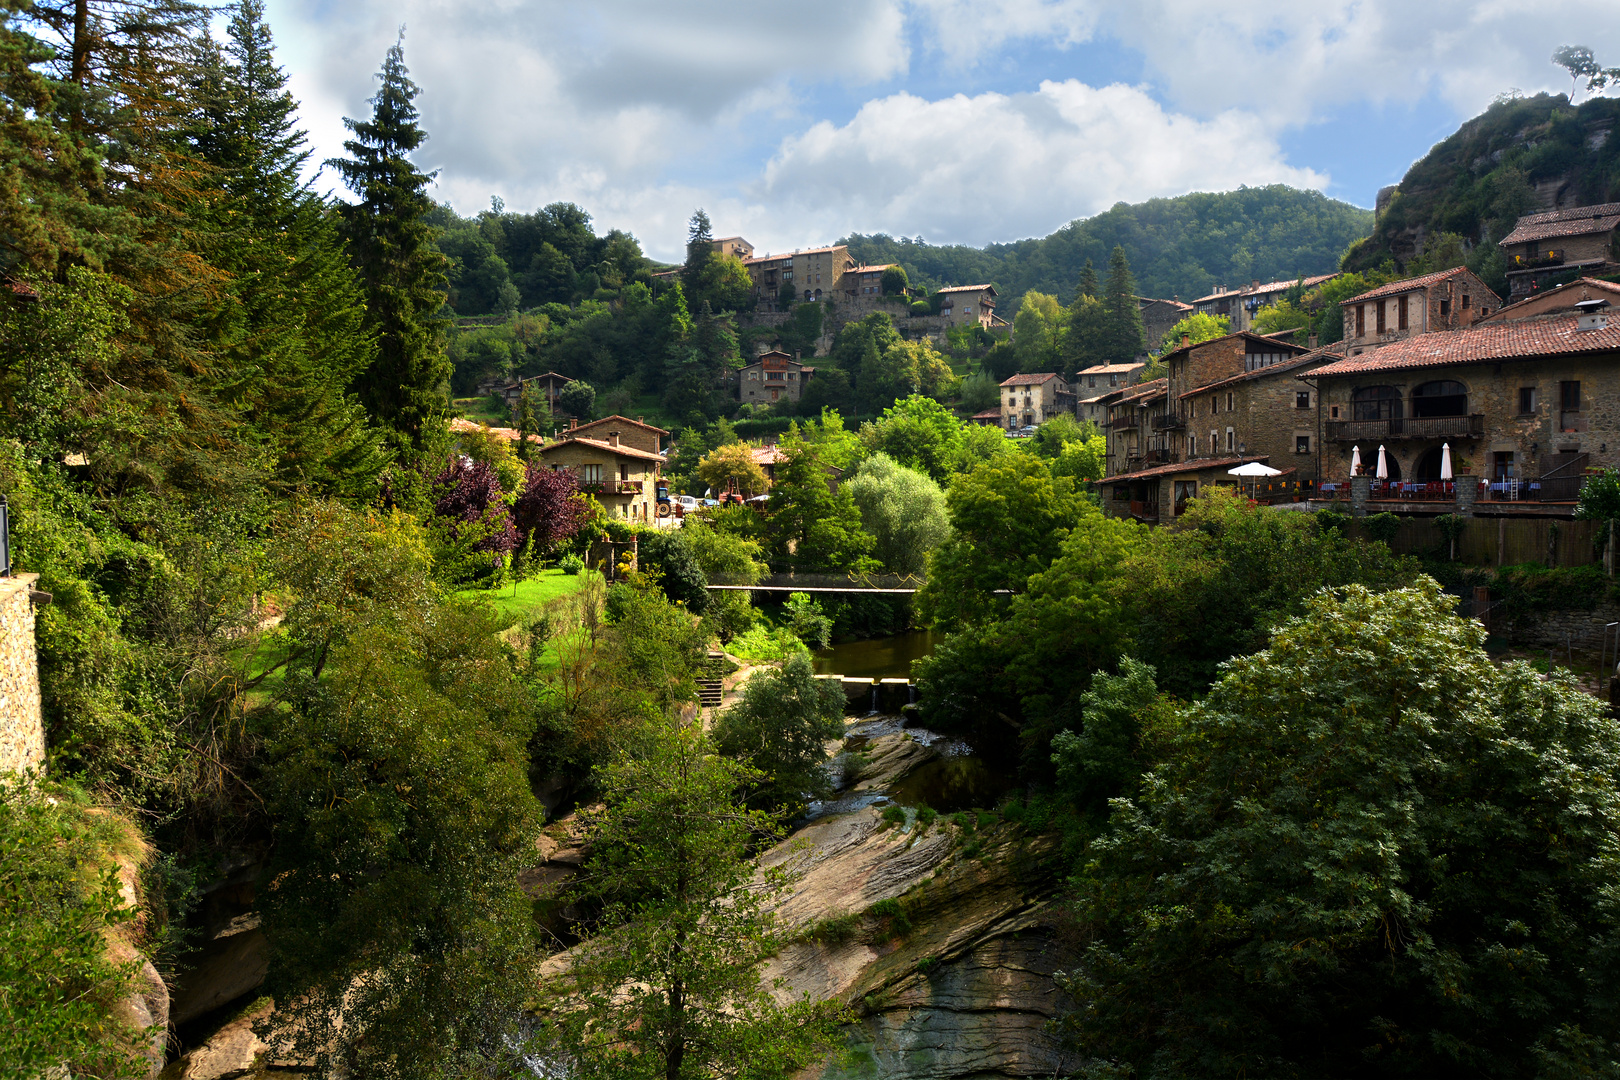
[{"x": 960, "y": 121}]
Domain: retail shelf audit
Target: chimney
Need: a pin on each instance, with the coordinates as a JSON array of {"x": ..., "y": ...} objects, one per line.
[
  {"x": 641, "y": 420},
  {"x": 1255, "y": 284},
  {"x": 613, "y": 439},
  {"x": 1310, "y": 341},
  {"x": 572, "y": 423},
  {"x": 1186, "y": 340}
]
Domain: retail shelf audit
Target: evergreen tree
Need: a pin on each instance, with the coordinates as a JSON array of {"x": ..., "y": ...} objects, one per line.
[
  {"x": 698, "y": 364},
  {"x": 1124, "y": 336},
  {"x": 294, "y": 325},
  {"x": 699, "y": 250},
  {"x": 525, "y": 421},
  {"x": 391, "y": 243},
  {"x": 1088, "y": 281}
]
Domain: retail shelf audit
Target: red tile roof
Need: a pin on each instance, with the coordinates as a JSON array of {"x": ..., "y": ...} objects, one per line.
[
  {"x": 870, "y": 269},
  {"x": 599, "y": 444},
  {"x": 1268, "y": 287},
  {"x": 1409, "y": 284},
  {"x": 1270, "y": 344},
  {"x": 1196, "y": 465},
  {"x": 1575, "y": 221},
  {"x": 988, "y": 414},
  {"x": 458, "y": 423},
  {"x": 620, "y": 420},
  {"x": 969, "y": 288},
  {"x": 1524, "y": 339},
  {"x": 1038, "y": 378},
  {"x": 1509, "y": 312},
  {"x": 1144, "y": 392},
  {"x": 1109, "y": 369}
]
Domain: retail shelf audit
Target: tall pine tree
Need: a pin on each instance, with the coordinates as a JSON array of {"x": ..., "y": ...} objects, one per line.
[
  {"x": 295, "y": 334},
  {"x": 391, "y": 243},
  {"x": 1125, "y": 337}
]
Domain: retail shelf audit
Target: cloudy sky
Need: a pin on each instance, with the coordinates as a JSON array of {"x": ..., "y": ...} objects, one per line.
[{"x": 963, "y": 121}]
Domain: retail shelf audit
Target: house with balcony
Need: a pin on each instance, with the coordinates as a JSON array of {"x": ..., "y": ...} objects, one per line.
[
  {"x": 622, "y": 477},
  {"x": 963, "y": 305},
  {"x": 1557, "y": 242},
  {"x": 1527, "y": 405},
  {"x": 1444, "y": 300},
  {"x": 1240, "y": 305},
  {"x": 772, "y": 377},
  {"x": 1031, "y": 400}
]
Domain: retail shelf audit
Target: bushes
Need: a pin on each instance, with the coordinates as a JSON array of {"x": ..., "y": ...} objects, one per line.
[{"x": 781, "y": 726}]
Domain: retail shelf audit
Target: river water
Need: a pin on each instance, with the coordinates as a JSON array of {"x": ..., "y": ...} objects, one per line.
[{"x": 876, "y": 658}]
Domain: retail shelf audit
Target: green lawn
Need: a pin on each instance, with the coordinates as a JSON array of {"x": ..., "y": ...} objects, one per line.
[
  {"x": 478, "y": 408},
  {"x": 516, "y": 602}
]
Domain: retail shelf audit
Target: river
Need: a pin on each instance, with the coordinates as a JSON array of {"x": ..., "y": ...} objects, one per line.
[{"x": 876, "y": 658}]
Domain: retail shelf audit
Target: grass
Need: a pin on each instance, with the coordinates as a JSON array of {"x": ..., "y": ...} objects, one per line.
[
  {"x": 479, "y": 408},
  {"x": 518, "y": 601}
]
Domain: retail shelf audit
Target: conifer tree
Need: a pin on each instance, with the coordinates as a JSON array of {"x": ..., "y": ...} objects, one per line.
[
  {"x": 1125, "y": 337},
  {"x": 699, "y": 250},
  {"x": 391, "y": 243},
  {"x": 1088, "y": 281},
  {"x": 295, "y": 332},
  {"x": 525, "y": 420}
]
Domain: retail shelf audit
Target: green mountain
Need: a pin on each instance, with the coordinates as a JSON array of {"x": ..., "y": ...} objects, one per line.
[
  {"x": 1182, "y": 246},
  {"x": 1519, "y": 156}
]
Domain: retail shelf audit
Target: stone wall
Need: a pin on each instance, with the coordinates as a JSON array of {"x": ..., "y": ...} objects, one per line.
[
  {"x": 1558, "y": 630},
  {"x": 22, "y": 731}
]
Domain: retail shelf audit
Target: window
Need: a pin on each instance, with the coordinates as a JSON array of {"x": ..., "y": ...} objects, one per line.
[
  {"x": 1113, "y": 380},
  {"x": 1302, "y": 444},
  {"x": 1229, "y": 401},
  {"x": 1527, "y": 400},
  {"x": 1092, "y": 382},
  {"x": 1569, "y": 396},
  {"x": 1122, "y": 493},
  {"x": 1440, "y": 399},
  {"x": 791, "y": 375},
  {"x": 1400, "y": 314},
  {"x": 1333, "y": 413},
  {"x": 1377, "y": 403},
  {"x": 1361, "y": 320},
  {"x": 1503, "y": 465},
  {"x": 624, "y": 473},
  {"x": 1231, "y": 440},
  {"x": 1185, "y": 489},
  {"x": 1192, "y": 446},
  {"x": 1302, "y": 399},
  {"x": 753, "y": 375},
  {"x": 1382, "y": 324},
  {"x": 1445, "y": 310},
  {"x": 1465, "y": 302},
  {"x": 1214, "y": 405},
  {"x": 590, "y": 474}
]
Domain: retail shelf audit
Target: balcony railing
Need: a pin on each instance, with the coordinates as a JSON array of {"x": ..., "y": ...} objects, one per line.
[
  {"x": 1144, "y": 511},
  {"x": 1123, "y": 420},
  {"x": 1411, "y": 427},
  {"x": 611, "y": 487},
  {"x": 1169, "y": 423},
  {"x": 1161, "y": 456}
]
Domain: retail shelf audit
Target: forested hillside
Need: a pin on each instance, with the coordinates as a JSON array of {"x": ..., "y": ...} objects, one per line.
[
  {"x": 1519, "y": 156},
  {"x": 1182, "y": 246}
]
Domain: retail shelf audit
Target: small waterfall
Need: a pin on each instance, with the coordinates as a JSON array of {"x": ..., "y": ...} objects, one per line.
[
  {"x": 874, "y": 700},
  {"x": 911, "y": 693}
]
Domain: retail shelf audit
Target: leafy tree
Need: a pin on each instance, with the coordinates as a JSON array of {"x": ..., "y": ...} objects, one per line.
[
  {"x": 391, "y": 243},
  {"x": 980, "y": 392},
  {"x": 807, "y": 621},
  {"x": 919, "y": 433},
  {"x": 1086, "y": 341},
  {"x": 472, "y": 521},
  {"x": 904, "y": 511},
  {"x": 1053, "y": 435},
  {"x": 1581, "y": 63},
  {"x": 679, "y": 573},
  {"x": 1193, "y": 329},
  {"x": 1369, "y": 847},
  {"x": 1280, "y": 315},
  {"x": 550, "y": 277},
  {"x": 401, "y": 943},
  {"x": 733, "y": 462},
  {"x": 725, "y": 558},
  {"x": 894, "y": 281},
  {"x": 698, "y": 365},
  {"x": 1039, "y": 333},
  {"x": 548, "y": 511},
  {"x": 811, "y": 528},
  {"x": 1105, "y": 755},
  {"x": 781, "y": 727},
  {"x": 830, "y": 389},
  {"x": 1083, "y": 459},
  {"x": 577, "y": 398},
  {"x": 669, "y": 985},
  {"x": 1008, "y": 520}
]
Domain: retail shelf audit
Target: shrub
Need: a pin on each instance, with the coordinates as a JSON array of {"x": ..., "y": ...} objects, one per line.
[
  {"x": 926, "y": 815},
  {"x": 832, "y": 930},
  {"x": 962, "y": 821},
  {"x": 894, "y": 814},
  {"x": 782, "y": 726},
  {"x": 1382, "y": 527},
  {"x": 920, "y": 307},
  {"x": 570, "y": 563}
]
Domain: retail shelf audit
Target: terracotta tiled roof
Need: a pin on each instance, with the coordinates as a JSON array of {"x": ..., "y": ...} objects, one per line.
[
  {"x": 1524, "y": 339},
  {"x": 791, "y": 254},
  {"x": 1141, "y": 393},
  {"x": 1408, "y": 284},
  {"x": 1196, "y": 465},
  {"x": 1509, "y": 312},
  {"x": 1270, "y": 344},
  {"x": 1161, "y": 300},
  {"x": 1108, "y": 369},
  {"x": 869, "y": 269},
  {"x": 768, "y": 455},
  {"x": 1038, "y": 378},
  {"x": 987, "y": 414},
  {"x": 600, "y": 444},
  {"x": 1317, "y": 356},
  {"x": 616, "y": 419},
  {"x": 969, "y": 288},
  {"x": 1268, "y": 287},
  {"x": 1575, "y": 221}
]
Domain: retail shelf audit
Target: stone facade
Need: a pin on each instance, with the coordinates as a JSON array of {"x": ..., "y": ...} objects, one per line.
[
  {"x": 773, "y": 377},
  {"x": 632, "y": 433},
  {"x": 1158, "y": 316},
  {"x": 1557, "y": 241},
  {"x": 622, "y": 478},
  {"x": 22, "y": 729},
  {"x": 1447, "y": 300},
  {"x": 1267, "y": 413},
  {"x": 964, "y": 305},
  {"x": 1241, "y": 304},
  {"x": 1032, "y": 400}
]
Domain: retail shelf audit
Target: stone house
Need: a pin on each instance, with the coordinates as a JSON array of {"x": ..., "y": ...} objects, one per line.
[
  {"x": 1265, "y": 411},
  {"x": 1519, "y": 401},
  {"x": 1158, "y": 316},
  {"x": 814, "y": 273},
  {"x": 735, "y": 246},
  {"x": 1558, "y": 241},
  {"x": 1240, "y": 305},
  {"x": 864, "y": 282},
  {"x": 633, "y": 433},
  {"x": 623, "y": 478},
  {"x": 544, "y": 390},
  {"x": 964, "y": 304},
  {"x": 1445, "y": 300},
  {"x": 1135, "y": 428},
  {"x": 772, "y": 377},
  {"x": 1194, "y": 365},
  {"x": 1097, "y": 387},
  {"x": 1031, "y": 400},
  {"x": 1559, "y": 300},
  {"x": 1145, "y": 493}
]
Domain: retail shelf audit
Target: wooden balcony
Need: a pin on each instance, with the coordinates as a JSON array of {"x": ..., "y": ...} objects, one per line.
[
  {"x": 1124, "y": 420},
  {"x": 1411, "y": 427},
  {"x": 612, "y": 487},
  {"x": 1144, "y": 511},
  {"x": 1169, "y": 423}
]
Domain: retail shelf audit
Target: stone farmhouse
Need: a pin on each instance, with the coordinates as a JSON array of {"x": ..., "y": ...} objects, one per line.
[
  {"x": 966, "y": 304},
  {"x": 544, "y": 390},
  {"x": 1097, "y": 387},
  {"x": 1031, "y": 400},
  {"x": 1240, "y": 305},
  {"x": 1542, "y": 245},
  {"x": 622, "y": 477},
  {"x": 772, "y": 377},
  {"x": 1446, "y": 300},
  {"x": 1158, "y": 316},
  {"x": 634, "y": 433}
]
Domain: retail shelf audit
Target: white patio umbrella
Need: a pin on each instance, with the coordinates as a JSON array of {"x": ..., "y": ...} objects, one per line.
[
  {"x": 1445, "y": 461},
  {"x": 1355, "y": 460},
  {"x": 1254, "y": 470},
  {"x": 1383, "y": 466}
]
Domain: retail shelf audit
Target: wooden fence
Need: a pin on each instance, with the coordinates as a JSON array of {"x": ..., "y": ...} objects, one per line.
[{"x": 1503, "y": 541}]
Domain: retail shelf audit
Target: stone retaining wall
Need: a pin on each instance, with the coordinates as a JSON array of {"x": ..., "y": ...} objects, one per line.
[
  {"x": 22, "y": 731},
  {"x": 1561, "y": 629}
]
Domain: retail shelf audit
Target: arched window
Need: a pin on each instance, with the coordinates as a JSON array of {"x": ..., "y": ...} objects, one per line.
[
  {"x": 818, "y": 294},
  {"x": 1440, "y": 399},
  {"x": 1427, "y": 466},
  {"x": 1377, "y": 403}
]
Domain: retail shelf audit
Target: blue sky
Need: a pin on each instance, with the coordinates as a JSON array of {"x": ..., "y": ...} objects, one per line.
[{"x": 964, "y": 121}]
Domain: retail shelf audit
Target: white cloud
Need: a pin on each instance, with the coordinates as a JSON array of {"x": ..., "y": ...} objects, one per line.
[{"x": 996, "y": 166}]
